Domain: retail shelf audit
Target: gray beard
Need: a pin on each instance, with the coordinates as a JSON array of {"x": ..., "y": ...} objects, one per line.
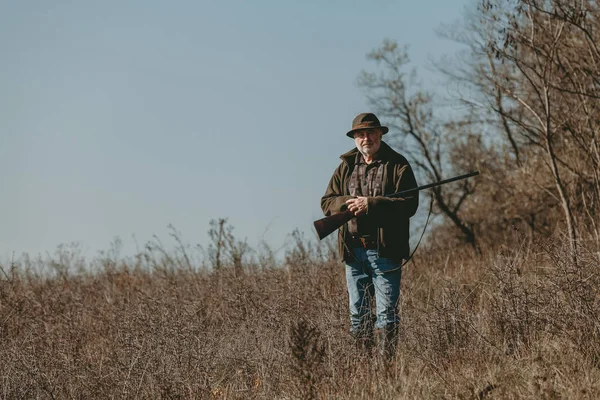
[{"x": 368, "y": 152}]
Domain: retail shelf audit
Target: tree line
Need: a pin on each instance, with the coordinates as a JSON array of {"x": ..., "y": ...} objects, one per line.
[{"x": 529, "y": 79}]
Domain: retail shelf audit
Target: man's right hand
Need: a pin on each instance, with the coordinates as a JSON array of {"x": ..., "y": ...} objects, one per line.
[{"x": 358, "y": 205}]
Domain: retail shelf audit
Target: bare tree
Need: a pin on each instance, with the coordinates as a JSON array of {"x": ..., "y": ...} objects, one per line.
[
  {"x": 552, "y": 88},
  {"x": 421, "y": 135},
  {"x": 530, "y": 74}
]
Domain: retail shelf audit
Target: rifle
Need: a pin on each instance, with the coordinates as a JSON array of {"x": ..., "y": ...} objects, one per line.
[{"x": 326, "y": 226}]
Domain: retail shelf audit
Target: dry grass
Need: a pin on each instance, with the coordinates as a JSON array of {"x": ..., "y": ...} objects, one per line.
[{"x": 518, "y": 323}]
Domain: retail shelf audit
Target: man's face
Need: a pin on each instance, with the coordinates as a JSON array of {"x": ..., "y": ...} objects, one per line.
[{"x": 368, "y": 141}]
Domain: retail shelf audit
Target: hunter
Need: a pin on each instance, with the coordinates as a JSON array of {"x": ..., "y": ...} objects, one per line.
[{"x": 375, "y": 243}]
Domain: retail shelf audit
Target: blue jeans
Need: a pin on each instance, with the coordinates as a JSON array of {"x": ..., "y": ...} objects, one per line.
[{"x": 371, "y": 276}]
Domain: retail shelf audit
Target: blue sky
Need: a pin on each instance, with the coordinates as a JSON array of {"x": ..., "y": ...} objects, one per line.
[{"x": 119, "y": 118}]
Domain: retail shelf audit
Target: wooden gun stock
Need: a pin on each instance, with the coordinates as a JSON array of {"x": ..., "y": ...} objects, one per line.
[{"x": 328, "y": 225}]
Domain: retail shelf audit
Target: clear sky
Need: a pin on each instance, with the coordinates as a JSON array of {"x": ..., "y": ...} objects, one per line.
[{"x": 118, "y": 118}]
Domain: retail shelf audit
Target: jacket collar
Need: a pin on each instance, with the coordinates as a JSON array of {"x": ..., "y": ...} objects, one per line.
[{"x": 385, "y": 153}]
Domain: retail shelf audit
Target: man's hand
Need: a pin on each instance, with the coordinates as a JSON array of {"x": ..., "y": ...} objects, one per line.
[{"x": 358, "y": 205}]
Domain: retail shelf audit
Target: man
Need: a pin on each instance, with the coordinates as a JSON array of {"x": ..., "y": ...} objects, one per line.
[{"x": 374, "y": 244}]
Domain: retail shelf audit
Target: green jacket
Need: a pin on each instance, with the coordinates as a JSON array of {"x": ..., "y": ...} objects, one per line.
[{"x": 391, "y": 216}]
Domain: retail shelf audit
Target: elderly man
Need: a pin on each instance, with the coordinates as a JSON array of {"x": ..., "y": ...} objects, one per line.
[{"x": 374, "y": 244}]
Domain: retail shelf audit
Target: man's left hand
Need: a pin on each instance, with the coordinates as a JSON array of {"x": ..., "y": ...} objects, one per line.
[{"x": 358, "y": 205}]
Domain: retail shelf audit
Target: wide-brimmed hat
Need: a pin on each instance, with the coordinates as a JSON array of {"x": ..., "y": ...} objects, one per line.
[{"x": 366, "y": 121}]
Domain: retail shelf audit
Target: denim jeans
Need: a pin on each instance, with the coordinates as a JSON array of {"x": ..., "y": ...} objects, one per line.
[{"x": 371, "y": 276}]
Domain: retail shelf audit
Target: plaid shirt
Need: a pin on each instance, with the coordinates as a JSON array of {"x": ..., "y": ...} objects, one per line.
[{"x": 366, "y": 186}]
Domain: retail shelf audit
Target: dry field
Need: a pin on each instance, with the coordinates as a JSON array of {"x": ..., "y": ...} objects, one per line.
[{"x": 516, "y": 323}]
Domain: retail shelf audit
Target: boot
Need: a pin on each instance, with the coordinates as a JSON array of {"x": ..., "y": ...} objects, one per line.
[
  {"x": 387, "y": 339},
  {"x": 363, "y": 341}
]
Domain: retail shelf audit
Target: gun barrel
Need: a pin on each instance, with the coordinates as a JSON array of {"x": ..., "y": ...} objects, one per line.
[
  {"x": 430, "y": 185},
  {"x": 328, "y": 225}
]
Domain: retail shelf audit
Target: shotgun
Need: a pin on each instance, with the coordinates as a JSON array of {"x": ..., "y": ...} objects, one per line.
[{"x": 326, "y": 226}]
